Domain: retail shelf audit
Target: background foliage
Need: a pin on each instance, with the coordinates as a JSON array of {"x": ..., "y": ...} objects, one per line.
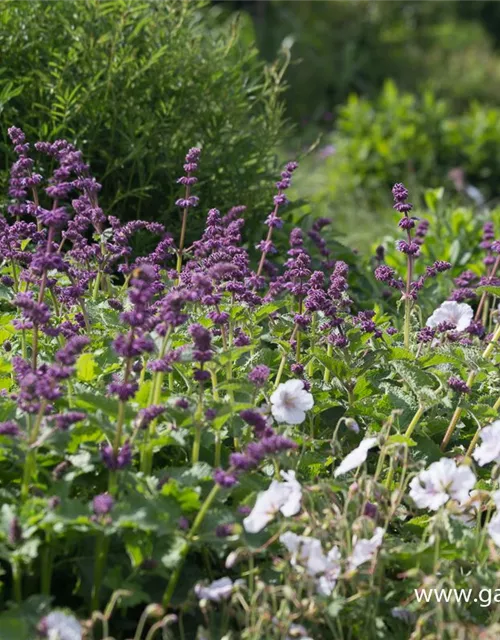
[
  {"x": 398, "y": 136},
  {"x": 135, "y": 84},
  {"x": 354, "y": 46}
]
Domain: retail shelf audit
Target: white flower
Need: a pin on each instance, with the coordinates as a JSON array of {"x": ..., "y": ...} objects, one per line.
[
  {"x": 326, "y": 583},
  {"x": 356, "y": 458},
  {"x": 308, "y": 551},
  {"x": 305, "y": 549},
  {"x": 494, "y": 529},
  {"x": 59, "y": 626},
  {"x": 458, "y": 313},
  {"x": 489, "y": 449},
  {"x": 292, "y": 505},
  {"x": 496, "y": 498},
  {"x": 217, "y": 590},
  {"x": 290, "y": 402},
  {"x": 442, "y": 481},
  {"x": 280, "y": 496},
  {"x": 364, "y": 549}
]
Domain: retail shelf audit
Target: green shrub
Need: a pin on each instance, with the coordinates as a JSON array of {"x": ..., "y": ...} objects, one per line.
[
  {"x": 399, "y": 136},
  {"x": 135, "y": 85}
]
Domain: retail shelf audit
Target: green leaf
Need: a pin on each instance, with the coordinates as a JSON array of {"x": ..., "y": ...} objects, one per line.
[
  {"x": 489, "y": 288},
  {"x": 419, "y": 521},
  {"x": 14, "y": 627},
  {"x": 176, "y": 553},
  {"x": 401, "y": 439},
  {"x": 86, "y": 367},
  {"x": 134, "y": 553}
]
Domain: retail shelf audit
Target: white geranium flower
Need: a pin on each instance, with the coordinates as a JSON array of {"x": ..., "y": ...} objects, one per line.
[
  {"x": 364, "y": 549},
  {"x": 442, "y": 481},
  {"x": 489, "y": 449},
  {"x": 458, "y": 313},
  {"x": 308, "y": 551},
  {"x": 494, "y": 529},
  {"x": 326, "y": 583},
  {"x": 356, "y": 458},
  {"x": 60, "y": 626},
  {"x": 290, "y": 402},
  {"x": 217, "y": 590},
  {"x": 280, "y": 496}
]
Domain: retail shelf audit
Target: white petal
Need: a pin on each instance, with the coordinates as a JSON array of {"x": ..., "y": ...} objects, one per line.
[
  {"x": 459, "y": 314},
  {"x": 291, "y": 541},
  {"x": 494, "y": 529},
  {"x": 267, "y": 505},
  {"x": 364, "y": 549},
  {"x": 216, "y": 591},
  {"x": 356, "y": 457},
  {"x": 489, "y": 449}
]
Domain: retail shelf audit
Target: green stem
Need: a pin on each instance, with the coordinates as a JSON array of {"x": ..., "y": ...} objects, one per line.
[
  {"x": 473, "y": 443},
  {"x": 280, "y": 370},
  {"x": 218, "y": 448},
  {"x": 496, "y": 406},
  {"x": 183, "y": 235},
  {"x": 415, "y": 420},
  {"x": 17, "y": 579},
  {"x": 174, "y": 578},
  {"x": 299, "y": 340},
  {"x": 97, "y": 282},
  {"x": 326, "y": 375},
  {"x": 46, "y": 568},
  {"x": 195, "y": 456},
  {"x": 154, "y": 398},
  {"x": 470, "y": 381},
  {"x": 407, "y": 324},
  {"x": 141, "y": 625},
  {"x": 30, "y": 461},
  {"x": 101, "y": 552}
]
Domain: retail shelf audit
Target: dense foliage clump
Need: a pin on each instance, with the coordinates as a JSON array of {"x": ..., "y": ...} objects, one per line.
[
  {"x": 196, "y": 444},
  {"x": 130, "y": 82}
]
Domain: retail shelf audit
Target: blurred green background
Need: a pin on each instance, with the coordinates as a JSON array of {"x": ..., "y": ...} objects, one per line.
[{"x": 364, "y": 93}]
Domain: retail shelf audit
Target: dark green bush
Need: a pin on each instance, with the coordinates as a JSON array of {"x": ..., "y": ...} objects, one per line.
[{"x": 135, "y": 85}]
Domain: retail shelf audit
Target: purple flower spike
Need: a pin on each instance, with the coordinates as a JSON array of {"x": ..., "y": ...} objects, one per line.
[{"x": 118, "y": 461}]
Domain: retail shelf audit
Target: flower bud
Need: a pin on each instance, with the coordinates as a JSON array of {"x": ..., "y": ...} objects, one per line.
[{"x": 155, "y": 610}]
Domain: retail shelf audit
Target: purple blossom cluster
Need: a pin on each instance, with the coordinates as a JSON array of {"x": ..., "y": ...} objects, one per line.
[
  {"x": 468, "y": 281},
  {"x": 411, "y": 248}
]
